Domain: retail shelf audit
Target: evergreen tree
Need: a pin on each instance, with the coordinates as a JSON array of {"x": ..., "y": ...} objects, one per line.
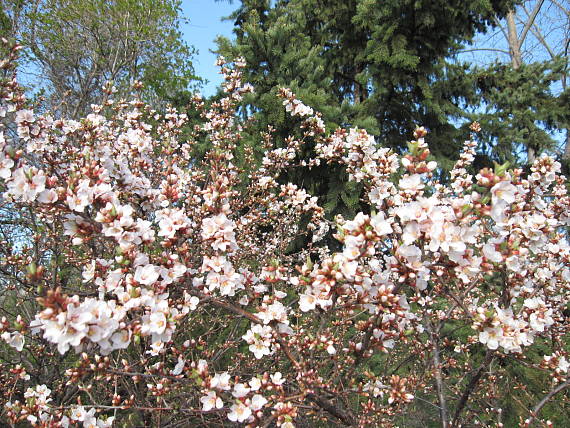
[
  {"x": 520, "y": 112},
  {"x": 523, "y": 86},
  {"x": 374, "y": 65}
]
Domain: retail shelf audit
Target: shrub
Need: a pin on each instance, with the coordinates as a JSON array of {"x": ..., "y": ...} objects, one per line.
[{"x": 142, "y": 286}]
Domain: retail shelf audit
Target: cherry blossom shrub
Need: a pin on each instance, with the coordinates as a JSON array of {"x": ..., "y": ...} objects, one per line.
[{"x": 143, "y": 287}]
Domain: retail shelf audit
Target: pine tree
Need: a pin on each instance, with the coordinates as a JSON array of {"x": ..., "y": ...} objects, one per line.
[
  {"x": 523, "y": 87},
  {"x": 380, "y": 66},
  {"x": 521, "y": 111}
]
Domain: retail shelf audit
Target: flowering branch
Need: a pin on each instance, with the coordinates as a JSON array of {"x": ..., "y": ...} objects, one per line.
[{"x": 149, "y": 279}]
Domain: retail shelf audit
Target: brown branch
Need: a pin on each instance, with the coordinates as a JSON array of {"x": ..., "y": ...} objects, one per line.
[
  {"x": 366, "y": 342},
  {"x": 325, "y": 404},
  {"x": 146, "y": 408},
  {"x": 239, "y": 311},
  {"x": 148, "y": 375},
  {"x": 225, "y": 305},
  {"x": 530, "y": 21},
  {"x": 443, "y": 412},
  {"x": 545, "y": 400},
  {"x": 485, "y": 49},
  {"x": 268, "y": 421},
  {"x": 322, "y": 402},
  {"x": 471, "y": 387}
]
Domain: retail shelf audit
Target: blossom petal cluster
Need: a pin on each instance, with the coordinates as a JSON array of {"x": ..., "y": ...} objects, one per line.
[{"x": 155, "y": 282}]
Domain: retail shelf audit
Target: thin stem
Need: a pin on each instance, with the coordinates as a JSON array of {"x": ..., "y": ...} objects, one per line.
[
  {"x": 545, "y": 400},
  {"x": 471, "y": 387}
]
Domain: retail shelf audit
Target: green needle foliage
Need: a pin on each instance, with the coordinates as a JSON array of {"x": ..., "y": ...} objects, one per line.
[
  {"x": 521, "y": 111},
  {"x": 375, "y": 65}
]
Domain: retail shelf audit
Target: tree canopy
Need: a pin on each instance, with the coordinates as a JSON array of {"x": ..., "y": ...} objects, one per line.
[
  {"x": 77, "y": 46},
  {"x": 381, "y": 66}
]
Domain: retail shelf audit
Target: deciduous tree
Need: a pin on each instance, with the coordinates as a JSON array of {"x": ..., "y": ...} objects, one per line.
[
  {"x": 152, "y": 289},
  {"x": 75, "y": 47}
]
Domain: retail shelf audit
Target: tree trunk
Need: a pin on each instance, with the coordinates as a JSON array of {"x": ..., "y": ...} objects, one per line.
[
  {"x": 566, "y": 154},
  {"x": 513, "y": 38},
  {"x": 516, "y": 62},
  {"x": 360, "y": 92}
]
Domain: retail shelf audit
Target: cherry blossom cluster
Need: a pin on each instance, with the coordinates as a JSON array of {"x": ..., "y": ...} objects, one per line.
[{"x": 161, "y": 287}]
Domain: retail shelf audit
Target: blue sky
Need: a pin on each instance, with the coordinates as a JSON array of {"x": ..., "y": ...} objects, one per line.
[{"x": 205, "y": 23}]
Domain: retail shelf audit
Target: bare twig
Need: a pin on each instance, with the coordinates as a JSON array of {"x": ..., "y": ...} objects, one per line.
[
  {"x": 471, "y": 387},
  {"x": 545, "y": 400},
  {"x": 325, "y": 404},
  {"x": 443, "y": 412},
  {"x": 530, "y": 21}
]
